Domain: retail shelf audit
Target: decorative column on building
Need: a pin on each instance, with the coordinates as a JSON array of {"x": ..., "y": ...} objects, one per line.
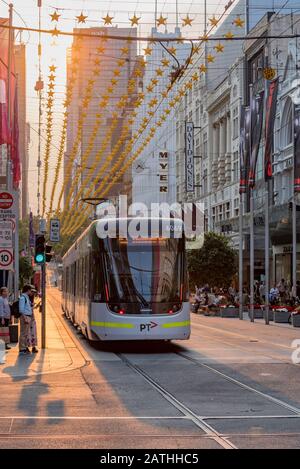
[
  {"x": 221, "y": 161},
  {"x": 215, "y": 155},
  {"x": 228, "y": 156}
]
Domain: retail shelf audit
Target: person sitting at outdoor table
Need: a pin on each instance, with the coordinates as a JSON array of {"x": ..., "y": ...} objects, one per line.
[{"x": 274, "y": 295}]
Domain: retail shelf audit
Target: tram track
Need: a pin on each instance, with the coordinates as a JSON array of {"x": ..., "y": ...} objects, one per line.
[
  {"x": 274, "y": 400},
  {"x": 222, "y": 439},
  {"x": 186, "y": 411}
]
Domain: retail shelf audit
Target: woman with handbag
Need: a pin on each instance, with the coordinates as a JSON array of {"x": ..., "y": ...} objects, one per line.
[{"x": 4, "y": 314}]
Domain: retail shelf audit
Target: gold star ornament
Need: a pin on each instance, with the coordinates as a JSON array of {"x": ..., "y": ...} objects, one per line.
[
  {"x": 187, "y": 21},
  {"x": 108, "y": 19},
  {"x": 219, "y": 47},
  {"x": 213, "y": 21},
  {"x": 161, "y": 21},
  {"x": 238, "y": 22},
  {"x": 54, "y": 16},
  {"x": 134, "y": 20},
  {"x": 81, "y": 18}
]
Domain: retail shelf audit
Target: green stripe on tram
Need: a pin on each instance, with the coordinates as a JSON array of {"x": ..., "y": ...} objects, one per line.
[
  {"x": 176, "y": 324},
  {"x": 118, "y": 325}
]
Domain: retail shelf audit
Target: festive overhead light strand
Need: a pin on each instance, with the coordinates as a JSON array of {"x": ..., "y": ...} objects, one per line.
[{"x": 178, "y": 97}]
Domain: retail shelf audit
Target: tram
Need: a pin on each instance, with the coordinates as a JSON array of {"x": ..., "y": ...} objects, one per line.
[{"x": 128, "y": 287}]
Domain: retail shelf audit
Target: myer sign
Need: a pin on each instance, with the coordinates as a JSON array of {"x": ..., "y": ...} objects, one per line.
[
  {"x": 189, "y": 156},
  {"x": 163, "y": 172}
]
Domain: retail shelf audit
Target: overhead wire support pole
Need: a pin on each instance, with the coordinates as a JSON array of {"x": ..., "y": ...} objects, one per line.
[
  {"x": 251, "y": 227},
  {"x": 9, "y": 103},
  {"x": 39, "y": 163}
]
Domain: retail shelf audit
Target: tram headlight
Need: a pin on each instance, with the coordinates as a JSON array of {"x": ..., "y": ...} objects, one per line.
[
  {"x": 117, "y": 309},
  {"x": 174, "y": 309}
]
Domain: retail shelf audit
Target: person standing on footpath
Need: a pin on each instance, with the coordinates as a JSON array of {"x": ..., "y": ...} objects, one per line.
[
  {"x": 27, "y": 320},
  {"x": 4, "y": 310}
]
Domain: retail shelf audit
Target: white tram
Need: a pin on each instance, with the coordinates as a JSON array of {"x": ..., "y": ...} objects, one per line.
[{"x": 128, "y": 288}]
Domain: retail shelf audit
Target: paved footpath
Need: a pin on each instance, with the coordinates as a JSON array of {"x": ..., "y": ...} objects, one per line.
[
  {"x": 232, "y": 385},
  {"x": 60, "y": 355}
]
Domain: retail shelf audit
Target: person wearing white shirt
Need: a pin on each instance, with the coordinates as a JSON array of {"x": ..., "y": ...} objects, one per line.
[
  {"x": 4, "y": 310},
  {"x": 26, "y": 318}
]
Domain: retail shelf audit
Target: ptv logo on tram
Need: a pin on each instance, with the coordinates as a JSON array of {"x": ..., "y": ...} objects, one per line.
[{"x": 148, "y": 326}]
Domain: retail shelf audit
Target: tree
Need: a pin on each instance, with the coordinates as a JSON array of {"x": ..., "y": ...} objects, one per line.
[
  {"x": 26, "y": 271},
  {"x": 215, "y": 263}
]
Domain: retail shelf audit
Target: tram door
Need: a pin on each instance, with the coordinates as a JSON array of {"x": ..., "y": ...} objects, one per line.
[{"x": 74, "y": 285}]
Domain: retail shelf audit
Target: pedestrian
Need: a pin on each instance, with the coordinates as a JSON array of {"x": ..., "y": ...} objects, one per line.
[
  {"x": 282, "y": 288},
  {"x": 27, "y": 321},
  {"x": 4, "y": 310},
  {"x": 262, "y": 291},
  {"x": 298, "y": 290},
  {"x": 274, "y": 295}
]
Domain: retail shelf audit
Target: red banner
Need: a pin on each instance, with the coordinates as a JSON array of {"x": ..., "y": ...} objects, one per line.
[
  {"x": 271, "y": 106},
  {"x": 257, "y": 113}
]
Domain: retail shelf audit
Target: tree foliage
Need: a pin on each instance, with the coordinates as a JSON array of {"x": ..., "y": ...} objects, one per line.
[
  {"x": 26, "y": 271},
  {"x": 215, "y": 263}
]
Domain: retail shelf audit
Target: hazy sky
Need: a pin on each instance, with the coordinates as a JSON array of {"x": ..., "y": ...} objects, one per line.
[{"x": 54, "y": 49}]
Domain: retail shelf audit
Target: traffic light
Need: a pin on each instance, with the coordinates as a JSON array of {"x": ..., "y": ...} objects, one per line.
[
  {"x": 39, "y": 255},
  {"x": 49, "y": 252}
]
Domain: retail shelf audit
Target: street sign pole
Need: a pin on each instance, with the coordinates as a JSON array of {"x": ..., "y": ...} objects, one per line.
[{"x": 43, "y": 286}]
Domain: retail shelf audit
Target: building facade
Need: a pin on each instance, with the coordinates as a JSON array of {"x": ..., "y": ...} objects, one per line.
[
  {"x": 97, "y": 61},
  {"x": 154, "y": 171}
]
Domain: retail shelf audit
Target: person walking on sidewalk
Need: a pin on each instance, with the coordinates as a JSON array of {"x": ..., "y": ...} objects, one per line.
[
  {"x": 32, "y": 334},
  {"x": 27, "y": 321},
  {"x": 4, "y": 310}
]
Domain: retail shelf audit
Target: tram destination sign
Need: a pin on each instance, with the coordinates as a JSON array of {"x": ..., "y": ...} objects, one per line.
[{"x": 189, "y": 156}]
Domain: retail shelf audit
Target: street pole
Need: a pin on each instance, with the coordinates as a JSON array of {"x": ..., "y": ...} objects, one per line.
[
  {"x": 43, "y": 285},
  {"x": 251, "y": 255},
  {"x": 267, "y": 253},
  {"x": 9, "y": 103},
  {"x": 241, "y": 258}
]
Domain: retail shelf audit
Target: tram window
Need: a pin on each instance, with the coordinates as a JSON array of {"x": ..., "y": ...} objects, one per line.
[{"x": 97, "y": 278}]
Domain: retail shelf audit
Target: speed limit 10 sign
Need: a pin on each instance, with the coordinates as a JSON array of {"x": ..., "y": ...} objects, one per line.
[{"x": 6, "y": 259}]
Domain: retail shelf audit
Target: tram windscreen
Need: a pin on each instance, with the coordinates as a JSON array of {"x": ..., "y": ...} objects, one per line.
[{"x": 145, "y": 271}]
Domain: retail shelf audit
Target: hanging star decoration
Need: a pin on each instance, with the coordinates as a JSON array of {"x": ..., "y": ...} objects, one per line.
[
  {"x": 55, "y": 31},
  {"x": 219, "y": 48},
  {"x": 52, "y": 68},
  {"x": 161, "y": 21},
  {"x": 210, "y": 58},
  {"x": 100, "y": 49},
  {"x": 203, "y": 68},
  {"x": 54, "y": 16},
  {"x": 213, "y": 21},
  {"x": 134, "y": 20},
  {"x": 172, "y": 50},
  {"x": 195, "y": 76},
  {"x": 229, "y": 35},
  {"x": 165, "y": 62},
  {"x": 81, "y": 18},
  {"x": 187, "y": 21},
  {"x": 124, "y": 50},
  {"x": 108, "y": 19},
  {"x": 159, "y": 72},
  {"x": 238, "y": 22},
  {"x": 147, "y": 51}
]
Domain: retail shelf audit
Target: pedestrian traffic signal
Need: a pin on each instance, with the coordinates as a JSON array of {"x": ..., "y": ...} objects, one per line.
[
  {"x": 49, "y": 252},
  {"x": 39, "y": 255}
]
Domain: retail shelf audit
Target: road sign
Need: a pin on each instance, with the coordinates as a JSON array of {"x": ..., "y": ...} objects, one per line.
[
  {"x": 6, "y": 234},
  {"x": 54, "y": 230},
  {"x": 6, "y": 200},
  {"x": 6, "y": 259}
]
